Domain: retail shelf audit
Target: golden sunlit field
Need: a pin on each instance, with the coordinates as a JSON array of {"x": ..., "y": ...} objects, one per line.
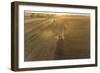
[{"x": 56, "y": 36}]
